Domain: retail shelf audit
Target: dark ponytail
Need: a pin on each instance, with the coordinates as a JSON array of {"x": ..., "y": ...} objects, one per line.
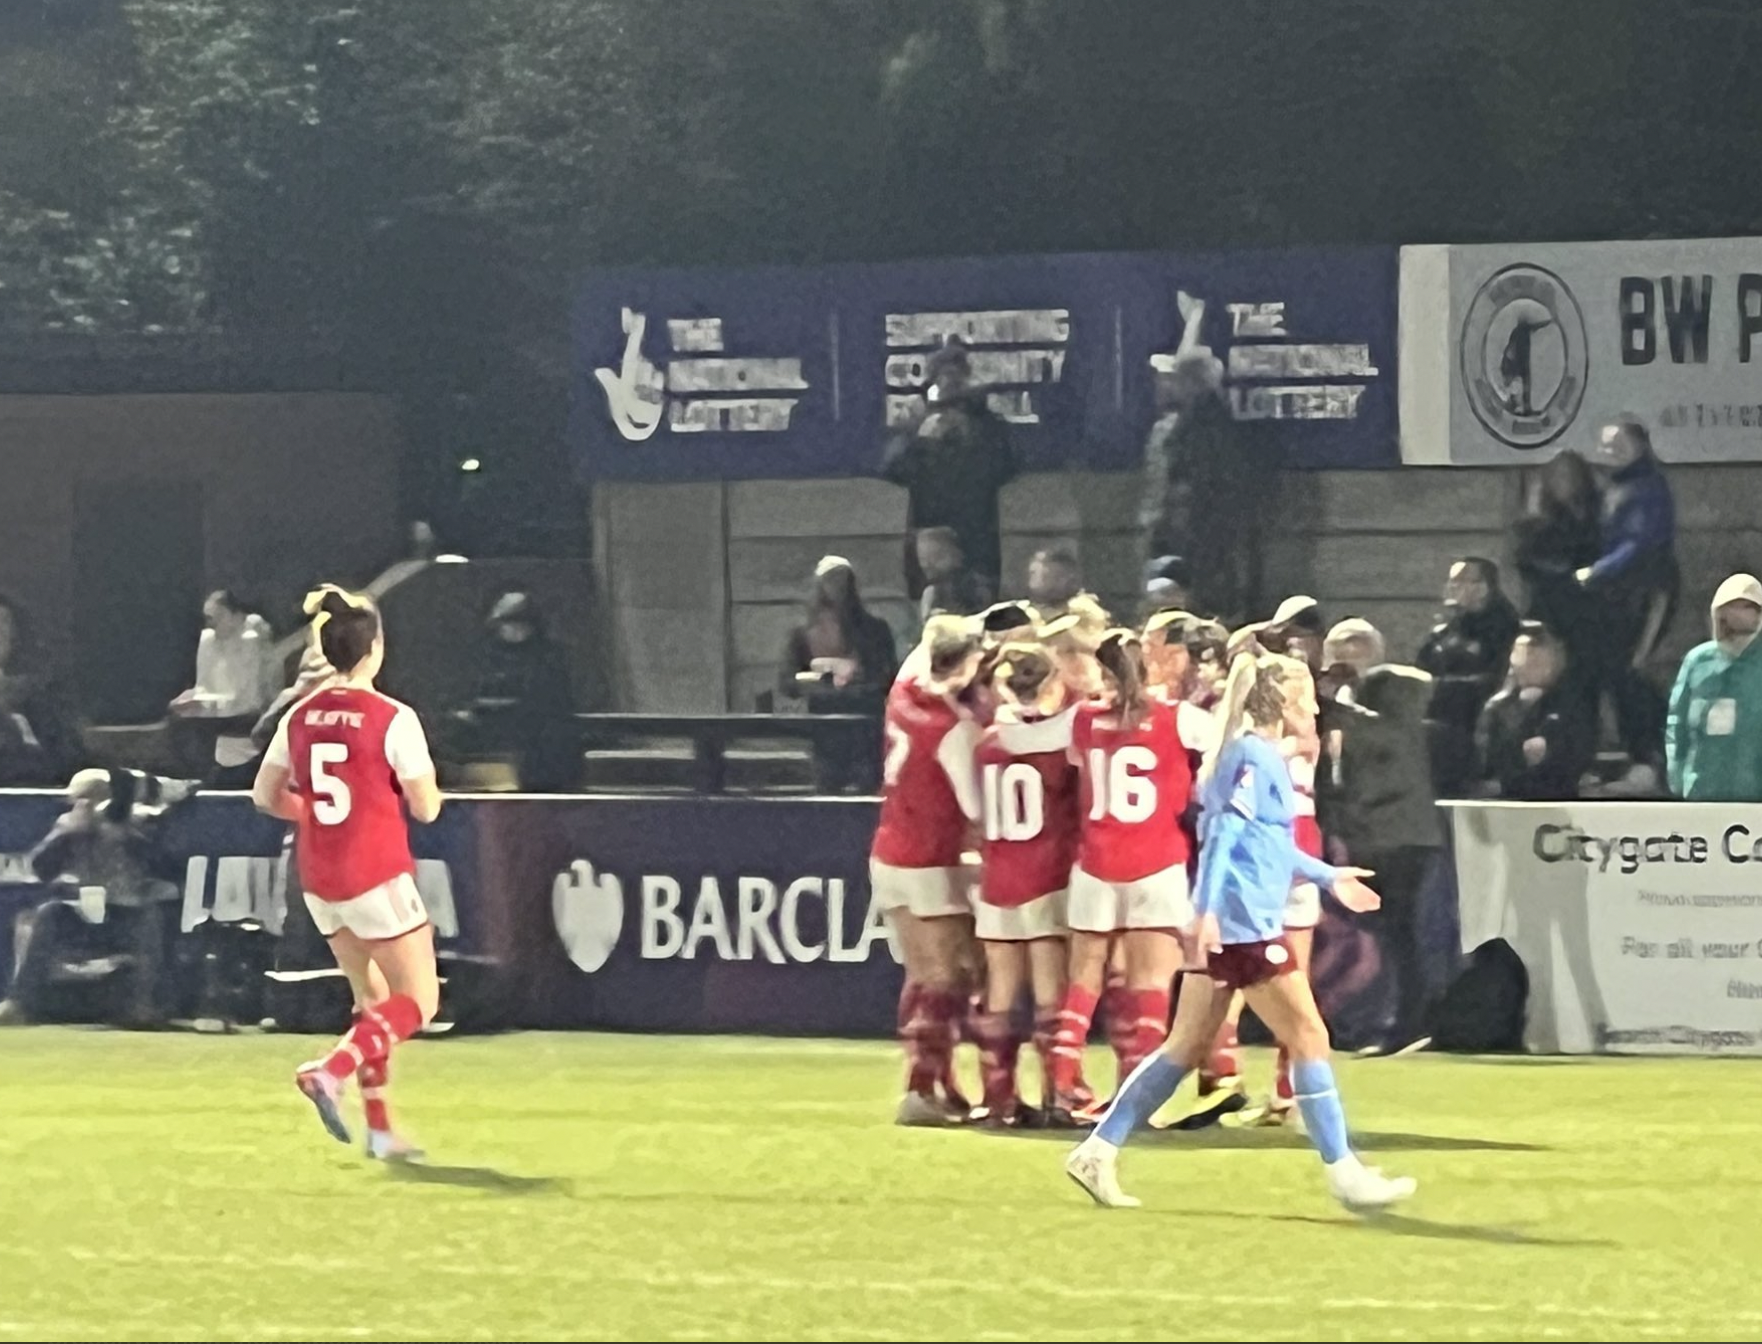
[
  {"x": 1121, "y": 656},
  {"x": 345, "y": 624}
]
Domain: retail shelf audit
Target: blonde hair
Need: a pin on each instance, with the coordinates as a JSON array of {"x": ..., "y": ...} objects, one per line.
[
  {"x": 948, "y": 642},
  {"x": 1255, "y": 696}
]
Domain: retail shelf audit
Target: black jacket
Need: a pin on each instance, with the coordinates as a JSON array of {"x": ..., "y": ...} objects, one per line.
[
  {"x": 952, "y": 466},
  {"x": 1468, "y": 655},
  {"x": 1557, "y": 717},
  {"x": 1378, "y": 794}
]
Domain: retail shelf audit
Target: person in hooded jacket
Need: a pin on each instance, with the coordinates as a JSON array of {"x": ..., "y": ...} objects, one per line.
[
  {"x": 524, "y": 701},
  {"x": 1713, "y": 740},
  {"x": 1376, "y": 803}
]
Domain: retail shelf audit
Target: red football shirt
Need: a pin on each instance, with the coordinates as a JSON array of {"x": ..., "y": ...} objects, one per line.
[
  {"x": 345, "y": 749},
  {"x": 1136, "y": 781},
  {"x": 929, "y": 791},
  {"x": 1028, "y": 787}
]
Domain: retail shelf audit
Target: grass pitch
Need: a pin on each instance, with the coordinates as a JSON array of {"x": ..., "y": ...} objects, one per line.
[{"x": 614, "y": 1187}]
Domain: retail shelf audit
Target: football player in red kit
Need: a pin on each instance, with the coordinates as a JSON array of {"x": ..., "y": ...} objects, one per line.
[
  {"x": 929, "y": 800},
  {"x": 1028, "y": 789},
  {"x": 1131, "y": 875},
  {"x": 344, "y": 766}
]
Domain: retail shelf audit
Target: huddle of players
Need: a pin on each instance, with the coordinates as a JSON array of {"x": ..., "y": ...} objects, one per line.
[{"x": 1070, "y": 748}]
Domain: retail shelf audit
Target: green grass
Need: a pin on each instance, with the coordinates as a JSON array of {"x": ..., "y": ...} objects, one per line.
[{"x": 599, "y": 1187}]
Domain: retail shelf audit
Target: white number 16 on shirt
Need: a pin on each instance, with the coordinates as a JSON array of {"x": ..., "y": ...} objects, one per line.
[{"x": 1118, "y": 784}]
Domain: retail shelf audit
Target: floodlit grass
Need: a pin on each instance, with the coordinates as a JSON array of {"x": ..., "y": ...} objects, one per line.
[{"x": 615, "y": 1187}]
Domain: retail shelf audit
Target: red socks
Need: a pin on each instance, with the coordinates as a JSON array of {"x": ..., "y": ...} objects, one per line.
[
  {"x": 374, "y": 1034},
  {"x": 1072, "y": 1034},
  {"x": 929, "y": 1038},
  {"x": 1283, "y": 1080},
  {"x": 373, "y": 1076},
  {"x": 999, "y": 1047},
  {"x": 1151, "y": 1027}
]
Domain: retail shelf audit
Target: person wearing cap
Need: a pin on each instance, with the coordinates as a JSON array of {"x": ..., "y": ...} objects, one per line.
[
  {"x": 840, "y": 660},
  {"x": 524, "y": 702},
  {"x": 953, "y": 457},
  {"x": 1713, "y": 743},
  {"x": 1167, "y": 579},
  {"x": 102, "y": 846}
]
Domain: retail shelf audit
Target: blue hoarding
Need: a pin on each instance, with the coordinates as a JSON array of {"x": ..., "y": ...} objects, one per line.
[{"x": 804, "y": 371}]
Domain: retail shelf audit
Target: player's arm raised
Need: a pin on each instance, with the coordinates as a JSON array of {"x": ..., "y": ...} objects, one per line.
[{"x": 406, "y": 749}]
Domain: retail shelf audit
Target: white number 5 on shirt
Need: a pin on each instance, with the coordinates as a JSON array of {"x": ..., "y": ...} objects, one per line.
[{"x": 331, "y": 799}]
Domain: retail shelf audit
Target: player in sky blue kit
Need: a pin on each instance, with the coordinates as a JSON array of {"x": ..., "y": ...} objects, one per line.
[{"x": 1247, "y": 859}]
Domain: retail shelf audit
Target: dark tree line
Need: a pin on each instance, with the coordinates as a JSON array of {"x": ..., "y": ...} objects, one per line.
[{"x": 414, "y": 182}]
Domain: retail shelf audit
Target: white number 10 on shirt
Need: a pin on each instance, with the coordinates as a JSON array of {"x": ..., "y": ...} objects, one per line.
[
  {"x": 1015, "y": 801},
  {"x": 1118, "y": 784}
]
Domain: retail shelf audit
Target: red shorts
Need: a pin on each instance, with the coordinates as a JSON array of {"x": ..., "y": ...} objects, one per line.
[{"x": 1243, "y": 965}]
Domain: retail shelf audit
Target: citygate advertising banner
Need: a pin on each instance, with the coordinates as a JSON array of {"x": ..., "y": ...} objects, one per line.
[
  {"x": 806, "y": 371},
  {"x": 1511, "y": 353},
  {"x": 1640, "y": 923}
]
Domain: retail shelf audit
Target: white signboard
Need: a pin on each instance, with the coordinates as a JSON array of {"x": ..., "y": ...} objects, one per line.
[
  {"x": 1640, "y": 923},
  {"x": 1511, "y": 353}
]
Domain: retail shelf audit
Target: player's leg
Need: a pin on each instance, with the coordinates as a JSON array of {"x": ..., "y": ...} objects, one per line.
[
  {"x": 1087, "y": 965},
  {"x": 1094, "y": 915},
  {"x": 942, "y": 1002},
  {"x": 388, "y": 926},
  {"x": 1118, "y": 1010},
  {"x": 1287, "y": 1006},
  {"x": 1006, "y": 965},
  {"x": 1047, "y": 961},
  {"x": 1094, "y": 1163},
  {"x": 1153, "y": 956}
]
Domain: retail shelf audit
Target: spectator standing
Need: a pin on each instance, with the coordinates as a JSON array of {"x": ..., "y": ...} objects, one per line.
[
  {"x": 1714, "y": 738},
  {"x": 1633, "y": 586},
  {"x": 1055, "y": 580},
  {"x": 524, "y": 702},
  {"x": 1560, "y": 533},
  {"x": 237, "y": 675},
  {"x": 1467, "y": 654},
  {"x": 1211, "y": 487},
  {"x": 841, "y": 660},
  {"x": 35, "y": 743},
  {"x": 1376, "y": 805},
  {"x": 1534, "y": 739},
  {"x": 953, "y": 458},
  {"x": 949, "y": 585}
]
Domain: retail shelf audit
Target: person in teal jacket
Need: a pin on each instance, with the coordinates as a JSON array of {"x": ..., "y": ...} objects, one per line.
[{"x": 1713, "y": 743}]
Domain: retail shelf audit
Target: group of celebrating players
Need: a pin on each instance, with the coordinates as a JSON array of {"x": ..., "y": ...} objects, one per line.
[
  {"x": 1143, "y": 808},
  {"x": 1108, "y": 814}
]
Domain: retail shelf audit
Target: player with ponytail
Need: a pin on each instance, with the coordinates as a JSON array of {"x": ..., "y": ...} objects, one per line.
[{"x": 345, "y": 765}]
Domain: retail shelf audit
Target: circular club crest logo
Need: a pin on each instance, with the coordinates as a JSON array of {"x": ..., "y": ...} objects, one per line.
[{"x": 1524, "y": 356}]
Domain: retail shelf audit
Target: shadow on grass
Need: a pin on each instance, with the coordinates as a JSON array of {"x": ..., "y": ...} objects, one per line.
[
  {"x": 477, "y": 1178},
  {"x": 1242, "y": 1137},
  {"x": 1402, "y": 1225}
]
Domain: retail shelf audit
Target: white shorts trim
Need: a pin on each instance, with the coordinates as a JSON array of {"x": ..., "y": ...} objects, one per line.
[
  {"x": 1303, "y": 906},
  {"x": 1160, "y": 901},
  {"x": 928, "y": 893},
  {"x": 1042, "y": 917},
  {"x": 388, "y": 911}
]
